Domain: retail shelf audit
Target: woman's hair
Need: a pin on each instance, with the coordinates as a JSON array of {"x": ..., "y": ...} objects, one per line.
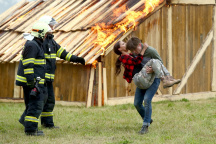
[
  {"x": 132, "y": 43},
  {"x": 118, "y": 62}
]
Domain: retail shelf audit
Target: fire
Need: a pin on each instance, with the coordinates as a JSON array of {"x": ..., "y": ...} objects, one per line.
[
  {"x": 106, "y": 34},
  {"x": 94, "y": 64},
  {"x": 150, "y": 5}
]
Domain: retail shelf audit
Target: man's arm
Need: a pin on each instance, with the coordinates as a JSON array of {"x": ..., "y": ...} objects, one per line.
[
  {"x": 152, "y": 52},
  {"x": 61, "y": 53}
]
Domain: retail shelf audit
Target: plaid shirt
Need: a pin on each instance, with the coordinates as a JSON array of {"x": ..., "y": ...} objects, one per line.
[{"x": 128, "y": 62}]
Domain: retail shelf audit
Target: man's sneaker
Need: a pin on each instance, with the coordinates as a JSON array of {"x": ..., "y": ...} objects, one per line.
[
  {"x": 144, "y": 129},
  {"x": 37, "y": 133},
  {"x": 151, "y": 121}
]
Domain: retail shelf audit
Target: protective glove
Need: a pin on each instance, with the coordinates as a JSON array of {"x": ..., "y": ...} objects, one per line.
[
  {"x": 31, "y": 84},
  {"x": 80, "y": 60}
]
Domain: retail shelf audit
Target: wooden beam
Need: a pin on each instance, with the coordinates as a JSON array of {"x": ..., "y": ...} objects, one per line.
[
  {"x": 90, "y": 90},
  {"x": 57, "y": 96},
  {"x": 156, "y": 98},
  {"x": 192, "y": 2},
  {"x": 100, "y": 84},
  {"x": 17, "y": 89},
  {"x": 195, "y": 61},
  {"x": 169, "y": 43},
  {"x": 22, "y": 93},
  {"x": 120, "y": 100},
  {"x": 189, "y": 96},
  {"x": 213, "y": 84},
  {"x": 66, "y": 103},
  {"x": 12, "y": 100},
  {"x": 105, "y": 86}
]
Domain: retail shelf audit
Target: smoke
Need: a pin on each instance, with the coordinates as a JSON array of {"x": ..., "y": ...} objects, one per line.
[{"x": 6, "y": 4}]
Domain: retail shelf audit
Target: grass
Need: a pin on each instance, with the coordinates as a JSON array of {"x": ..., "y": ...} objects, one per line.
[{"x": 179, "y": 122}]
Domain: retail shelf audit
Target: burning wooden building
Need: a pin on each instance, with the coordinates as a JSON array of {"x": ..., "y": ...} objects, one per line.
[{"x": 183, "y": 32}]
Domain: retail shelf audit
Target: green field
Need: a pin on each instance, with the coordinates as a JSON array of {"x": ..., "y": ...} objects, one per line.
[{"x": 179, "y": 122}]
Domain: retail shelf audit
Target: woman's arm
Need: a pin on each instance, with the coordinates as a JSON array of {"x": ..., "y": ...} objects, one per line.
[{"x": 145, "y": 46}]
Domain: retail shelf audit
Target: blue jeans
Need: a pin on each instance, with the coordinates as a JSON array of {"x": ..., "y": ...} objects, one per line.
[{"x": 146, "y": 95}]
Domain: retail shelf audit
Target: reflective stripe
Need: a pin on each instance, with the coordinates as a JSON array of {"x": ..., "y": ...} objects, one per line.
[
  {"x": 68, "y": 56},
  {"x": 39, "y": 61},
  {"x": 42, "y": 81},
  {"x": 32, "y": 119},
  {"x": 27, "y": 61},
  {"x": 21, "y": 79},
  {"x": 51, "y": 56},
  {"x": 46, "y": 114},
  {"x": 59, "y": 52},
  {"x": 49, "y": 76},
  {"x": 28, "y": 71},
  {"x": 33, "y": 60}
]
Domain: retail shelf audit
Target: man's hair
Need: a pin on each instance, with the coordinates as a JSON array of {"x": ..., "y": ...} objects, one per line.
[{"x": 132, "y": 43}]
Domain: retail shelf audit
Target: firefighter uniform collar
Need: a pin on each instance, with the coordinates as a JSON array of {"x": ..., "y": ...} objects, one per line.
[{"x": 39, "y": 41}]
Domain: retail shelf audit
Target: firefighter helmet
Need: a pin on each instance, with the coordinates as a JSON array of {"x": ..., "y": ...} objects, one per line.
[
  {"x": 40, "y": 29},
  {"x": 48, "y": 20}
]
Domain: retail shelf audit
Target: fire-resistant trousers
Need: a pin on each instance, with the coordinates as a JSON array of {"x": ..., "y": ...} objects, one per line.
[
  {"x": 47, "y": 114},
  {"x": 34, "y": 107}
]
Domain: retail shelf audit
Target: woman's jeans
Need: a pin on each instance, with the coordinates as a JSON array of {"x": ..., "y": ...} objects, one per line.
[{"x": 146, "y": 95}]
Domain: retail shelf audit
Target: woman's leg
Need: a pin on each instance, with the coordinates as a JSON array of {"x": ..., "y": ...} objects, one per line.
[
  {"x": 158, "y": 68},
  {"x": 161, "y": 72}
]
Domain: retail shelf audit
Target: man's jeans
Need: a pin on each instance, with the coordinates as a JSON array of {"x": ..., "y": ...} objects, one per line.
[{"x": 146, "y": 95}]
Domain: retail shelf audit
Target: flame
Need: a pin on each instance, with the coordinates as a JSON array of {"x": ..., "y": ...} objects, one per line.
[
  {"x": 94, "y": 64},
  {"x": 119, "y": 11},
  {"x": 106, "y": 34},
  {"x": 120, "y": 22}
]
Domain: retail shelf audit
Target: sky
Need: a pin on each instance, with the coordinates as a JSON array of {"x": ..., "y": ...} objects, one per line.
[{"x": 6, "y": 4}]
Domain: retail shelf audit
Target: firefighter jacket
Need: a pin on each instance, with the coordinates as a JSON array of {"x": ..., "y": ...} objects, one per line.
[
  {"x": 32, "y": 64},
  {"x": 51, "y": 51}
]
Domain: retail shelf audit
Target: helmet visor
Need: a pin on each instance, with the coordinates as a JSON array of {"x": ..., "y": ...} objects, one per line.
[{"x": 53, "y": 22}]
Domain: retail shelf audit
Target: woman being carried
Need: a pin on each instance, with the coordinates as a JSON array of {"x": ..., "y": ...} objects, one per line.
[{"x": 142, "y": 79}]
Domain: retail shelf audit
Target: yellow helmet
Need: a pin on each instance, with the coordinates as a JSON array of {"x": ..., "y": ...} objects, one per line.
[
  {"x": 48, "y": 20},
  {"x": 40, "y": 29}
]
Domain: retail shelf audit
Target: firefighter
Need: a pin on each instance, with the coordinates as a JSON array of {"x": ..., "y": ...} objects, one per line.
[
  {"x": 31, "y": 67},
  {"x": 52, "y": 50}
]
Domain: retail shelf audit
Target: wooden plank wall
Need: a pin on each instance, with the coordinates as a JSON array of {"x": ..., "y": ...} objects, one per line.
[
  {"x": 7, "y": 78},
  {"x": 71, "y": 82},
  {"x": 190, "y": 25},
  {"x": 189, "y": 32}
]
